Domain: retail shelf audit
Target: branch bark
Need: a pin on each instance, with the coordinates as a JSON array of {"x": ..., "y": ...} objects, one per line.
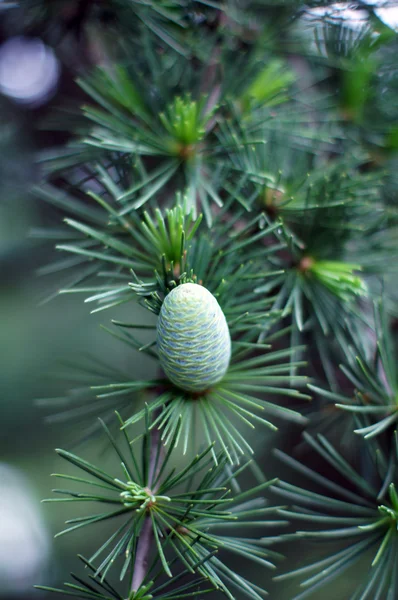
[
  {"x": 142, "y": 554},
  {"x": 145, "y": 539}
]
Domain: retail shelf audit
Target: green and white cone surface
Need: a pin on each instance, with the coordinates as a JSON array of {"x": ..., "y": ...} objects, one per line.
[{"x": 193, "y": 338}]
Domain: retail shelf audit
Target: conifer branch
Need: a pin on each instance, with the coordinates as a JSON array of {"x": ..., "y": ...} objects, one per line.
[{"x": 247, "y": 214}]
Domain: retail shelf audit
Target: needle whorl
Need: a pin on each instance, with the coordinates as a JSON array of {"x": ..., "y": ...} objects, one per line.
[{"x": 193, "y": 338}]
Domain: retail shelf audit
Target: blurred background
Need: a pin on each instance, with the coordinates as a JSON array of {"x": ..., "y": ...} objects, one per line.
[{"x": 43, "y": 46}]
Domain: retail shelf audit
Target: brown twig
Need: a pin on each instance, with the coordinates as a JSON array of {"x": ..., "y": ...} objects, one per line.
[
  {"x": 145, "y": 538},
  {"x": 142, "y": 554}
]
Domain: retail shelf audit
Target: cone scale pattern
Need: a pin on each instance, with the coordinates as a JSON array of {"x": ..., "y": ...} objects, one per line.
[{"x": 193, "y": 338}]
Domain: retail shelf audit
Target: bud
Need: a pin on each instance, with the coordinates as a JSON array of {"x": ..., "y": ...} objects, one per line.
[{"x": 193, "y": 338}]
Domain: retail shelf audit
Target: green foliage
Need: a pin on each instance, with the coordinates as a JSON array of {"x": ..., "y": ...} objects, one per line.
[
  {"x": 359, "y": 58},
  {"x": 338, "y": 277},
  {"x": 269, "y": 87},
  {"x": 186, "y": 124},
  {"x": 165, "y": 252},
  {"x": 140, "y": 128},
  {"x": 372, "y": 370},
  {"x": 95, "y": 586},
  {"x": 166, "y": 20},
  {"x": 183, "y": 514},
  {"x": 249, "y": 148},
  {"x": 364, "y": 519}
]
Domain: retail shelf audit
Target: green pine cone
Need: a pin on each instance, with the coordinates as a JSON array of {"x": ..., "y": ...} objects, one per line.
[{"x": 193, "y": 338}]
